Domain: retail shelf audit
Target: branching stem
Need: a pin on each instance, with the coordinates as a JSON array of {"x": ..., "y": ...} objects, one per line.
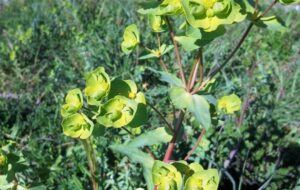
[
  {"x": 196, "y": 145},
  {"x": 172, "y": 35}
]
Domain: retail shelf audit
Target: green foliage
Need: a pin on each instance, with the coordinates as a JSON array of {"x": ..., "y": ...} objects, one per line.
[
  {"x": 196, "y": 104},
  {"x": 46, "y": 46},
  {"x": 131, "y": 149}
]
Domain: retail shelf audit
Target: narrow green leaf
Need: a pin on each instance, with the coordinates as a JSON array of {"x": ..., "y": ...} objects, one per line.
[
  {"x": 156, "y": 136},
  {"x": 271, "y": 23}
]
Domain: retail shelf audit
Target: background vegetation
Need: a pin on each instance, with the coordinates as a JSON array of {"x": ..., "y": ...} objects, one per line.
[{"x": 45, "y": 48}]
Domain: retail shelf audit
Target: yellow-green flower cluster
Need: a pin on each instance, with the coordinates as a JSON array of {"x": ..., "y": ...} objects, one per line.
[
  {"x": 205, "y": 14},
  {"x": 181, "y": 175},
  {"x": 210, "y": 14},
  {"x": 109, "y": 103},
  {"x": 229, "y": 104}
]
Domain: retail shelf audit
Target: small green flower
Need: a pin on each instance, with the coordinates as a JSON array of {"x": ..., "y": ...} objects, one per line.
[
  {"x": 229, "y": 104},
  {"x": 157, "y": 23},
  {"x": 131, "y": 38},
  {"x": 203, "y": 180},
  {"x": 77, "y": 125},
  {"x": 74, "y": 102},
  {"x": 3, "y": 160},
  {"x": 117, "y": 112},
  {"x": 97, "y": 86},
  {"x": 210, "y": 14},
  {"x": 165, "y": 176}
]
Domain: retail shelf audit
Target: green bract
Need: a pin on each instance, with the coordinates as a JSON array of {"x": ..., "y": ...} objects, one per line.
[
  {"x": 203, "y": 180},
  {"x": 97, "y": 86},
  {"x": 126, "y": 88},
  {"x": 157, "y": 23},
  {"x": 166, "y": 177},
  {"x": 77, "y": 125},
  {"x": 74, "y": 102},
  {"x": 287, "y": 2},
  {"x": 117, "y": 112},
  {"x": 131, "y": 38},
  {"x": 210, "y": 14},
  {"x": 186, "y": 169},
  {"x": 229, "y": 104},
  {"x": 167, "y": 7}
]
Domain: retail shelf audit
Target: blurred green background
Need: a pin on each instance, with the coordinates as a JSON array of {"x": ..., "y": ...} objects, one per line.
[{"x": 46, "y": 46}]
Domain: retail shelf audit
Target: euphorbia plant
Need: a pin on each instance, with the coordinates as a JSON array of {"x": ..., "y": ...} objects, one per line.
[{"x": 112, "y": 102}]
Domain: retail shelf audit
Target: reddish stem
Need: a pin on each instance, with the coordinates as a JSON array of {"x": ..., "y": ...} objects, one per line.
[{"x": 172, "y": 143}]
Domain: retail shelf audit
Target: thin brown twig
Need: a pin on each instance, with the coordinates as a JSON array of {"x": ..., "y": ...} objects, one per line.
[
  {"x": 268, "y": 9},
  {"x": 196, "y": 144},
  {"x": 161, "y": 116},
  {"x": 194, "y": 71},
  {"x": 172, "y": 35}
]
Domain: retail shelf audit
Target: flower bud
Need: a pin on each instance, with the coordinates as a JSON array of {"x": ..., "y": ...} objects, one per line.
[
  {"x": 97, "y": 86},
  {"x": 77, "y": 125}
]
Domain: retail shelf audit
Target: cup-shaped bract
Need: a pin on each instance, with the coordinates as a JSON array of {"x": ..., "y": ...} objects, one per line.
[
  {"x": 77, "y": 125},
  {"x": 97, "y": 86},
  {"x": 117, "y": 112},
  {"x": 131, "y": 38},
  {"x": 287, "y": 2},
  {"x": 74, "y": 102},
  {"x": 204, "y": 180},
  {"x": 165, "y": 176},
  {"x": 229, "y": 104},
  {"x": 164, "y": 8},
  {"x": 210, "y": 14},
  {"x": 126, "y": 88},
  {"x": 170, "y": 7}
]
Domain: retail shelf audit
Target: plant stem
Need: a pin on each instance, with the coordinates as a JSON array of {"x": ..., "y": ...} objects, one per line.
[
  {"x": 161, "y": 62},
  {"x": 172, "y": 143},
  {"x": 238, "y": 45},
  {"x": 161, "y": 116},
  {"x": 194, "y": 71},
  {"x": 216, "y": 70},
  {"x": 268, "y": 9},
  {"x": 172, "y": 35},
  {"x": 91, "y": 161},
  {"x": 196, "y": 145}
]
